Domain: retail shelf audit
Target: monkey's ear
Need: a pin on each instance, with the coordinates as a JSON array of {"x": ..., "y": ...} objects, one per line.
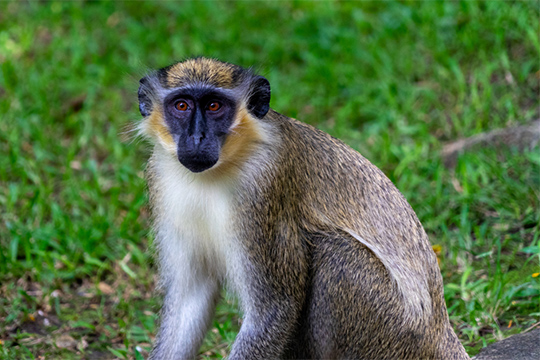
[
  {"x": 259, "y": 100},
  {"x": 145, "y": 103}
]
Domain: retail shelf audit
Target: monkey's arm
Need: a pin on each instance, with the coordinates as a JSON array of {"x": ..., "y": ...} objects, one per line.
[
  {"x": 188, "y": 306},
  {"x": 185, "y": 318},
  {"x": 273, "y": 296}
]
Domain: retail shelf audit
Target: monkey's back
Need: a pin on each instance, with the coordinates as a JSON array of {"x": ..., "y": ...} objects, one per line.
[{"x": 374, "y": 286}]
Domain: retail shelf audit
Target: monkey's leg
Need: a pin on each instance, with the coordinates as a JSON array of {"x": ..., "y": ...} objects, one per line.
[
  {"x": 188, "y": 308},
  {"x": 355, "y": 311}
]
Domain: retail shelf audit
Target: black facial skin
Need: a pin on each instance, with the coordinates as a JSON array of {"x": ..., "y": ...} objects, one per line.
[{"x": 198, "y": 131}]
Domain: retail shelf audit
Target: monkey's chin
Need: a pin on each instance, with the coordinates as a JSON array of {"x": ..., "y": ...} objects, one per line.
[{"x": 198, "y": 166}]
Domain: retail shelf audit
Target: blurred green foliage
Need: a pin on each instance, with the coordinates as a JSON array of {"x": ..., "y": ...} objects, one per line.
[{"x": 395, "y": 80}]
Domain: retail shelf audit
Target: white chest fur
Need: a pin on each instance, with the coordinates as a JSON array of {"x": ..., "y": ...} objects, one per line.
[{"x": 194, "y": 225}]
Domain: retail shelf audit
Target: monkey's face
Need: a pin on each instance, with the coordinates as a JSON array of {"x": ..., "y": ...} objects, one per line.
[
  {"x": 204, "y": 111},
  {"x": 199, "y": 120}
]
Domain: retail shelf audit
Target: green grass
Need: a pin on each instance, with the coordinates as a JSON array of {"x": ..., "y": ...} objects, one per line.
[{"x": 396, "y": 80}]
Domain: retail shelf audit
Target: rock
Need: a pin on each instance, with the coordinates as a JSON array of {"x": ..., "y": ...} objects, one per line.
[
  {"x": 518, "y": 347},
  {"x": 65, "y": 342}
]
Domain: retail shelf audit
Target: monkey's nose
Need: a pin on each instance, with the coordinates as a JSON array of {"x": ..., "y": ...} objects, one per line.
[{"x": 197, "y": 138}]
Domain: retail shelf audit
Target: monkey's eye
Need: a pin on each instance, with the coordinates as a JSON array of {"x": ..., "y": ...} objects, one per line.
[
  {"x": 214, "y": 106},
  {"x": 181, "y": 106}
]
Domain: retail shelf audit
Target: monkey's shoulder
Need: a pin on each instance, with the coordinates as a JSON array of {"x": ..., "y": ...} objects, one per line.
[
  {"x": 334, "y": 159},
  {"x": 304, "y": 137}
]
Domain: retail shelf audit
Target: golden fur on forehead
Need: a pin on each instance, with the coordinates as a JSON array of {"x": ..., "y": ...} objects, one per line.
[{"x": 203, "y": 70}]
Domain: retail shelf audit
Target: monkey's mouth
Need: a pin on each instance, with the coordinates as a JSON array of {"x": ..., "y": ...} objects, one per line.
[{"x": 197, "y": 164}]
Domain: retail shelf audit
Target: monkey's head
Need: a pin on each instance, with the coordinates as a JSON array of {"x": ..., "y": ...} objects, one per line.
[{"x": 203, "y": 111}]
